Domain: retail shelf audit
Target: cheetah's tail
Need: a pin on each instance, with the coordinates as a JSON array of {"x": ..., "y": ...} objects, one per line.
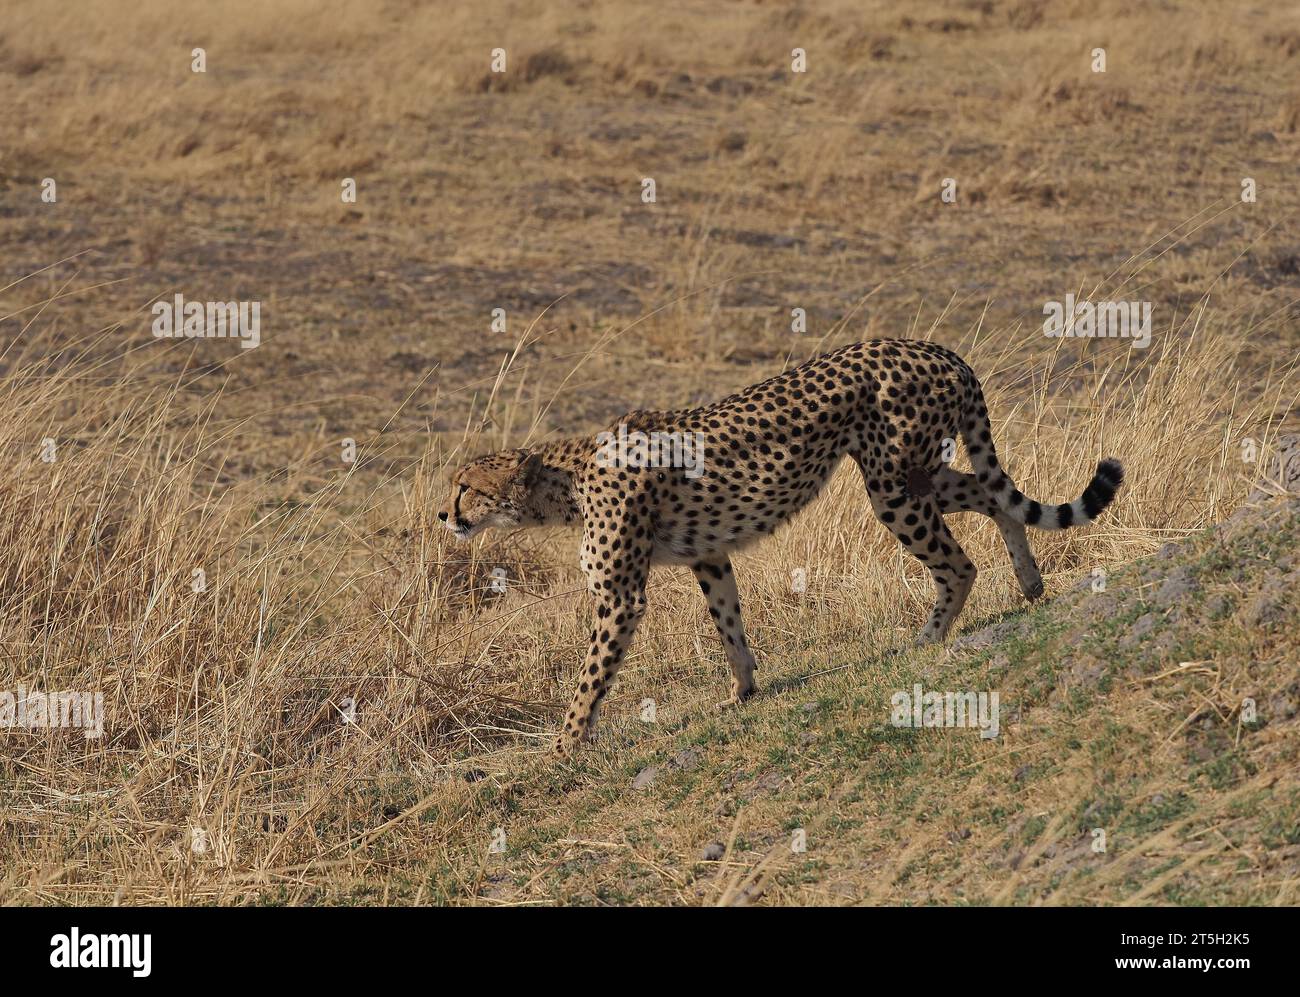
[{"x": 1099, "y": 493}]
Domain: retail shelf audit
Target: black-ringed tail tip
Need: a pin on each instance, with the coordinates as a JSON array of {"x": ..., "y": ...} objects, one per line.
[{"x": 1100, "y": 493}]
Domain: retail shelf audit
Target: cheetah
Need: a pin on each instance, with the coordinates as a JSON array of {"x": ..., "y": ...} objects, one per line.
[{"x": 894, "y": 406}]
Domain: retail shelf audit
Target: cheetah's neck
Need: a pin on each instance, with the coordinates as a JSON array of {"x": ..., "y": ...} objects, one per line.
[{"x": 553, "y": 498}]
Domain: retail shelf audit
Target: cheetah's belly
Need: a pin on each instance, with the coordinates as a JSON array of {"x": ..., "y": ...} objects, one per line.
[{"x": 726, "y": 512}]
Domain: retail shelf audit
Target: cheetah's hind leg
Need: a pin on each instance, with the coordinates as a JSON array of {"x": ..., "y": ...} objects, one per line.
[
  {"x": 957, "y": 492},
  {"x": 917, "y": 524}
]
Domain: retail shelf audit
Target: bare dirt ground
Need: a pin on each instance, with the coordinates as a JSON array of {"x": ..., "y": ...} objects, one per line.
[{"x": 522, "y": 191}]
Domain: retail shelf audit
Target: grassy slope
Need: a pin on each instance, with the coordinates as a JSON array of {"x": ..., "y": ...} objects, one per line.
[{"x": 1121, "y": 710}]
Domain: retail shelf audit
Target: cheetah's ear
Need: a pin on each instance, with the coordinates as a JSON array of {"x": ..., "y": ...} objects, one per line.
[{"x": 529, "y": 466}]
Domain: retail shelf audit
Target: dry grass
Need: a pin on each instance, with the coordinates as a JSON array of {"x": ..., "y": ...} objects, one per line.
[
  {"x": 328, "y": 582},
  {"x": 226, "y": 705}
]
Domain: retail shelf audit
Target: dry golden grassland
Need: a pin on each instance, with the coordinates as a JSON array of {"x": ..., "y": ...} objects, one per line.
[{"x": 347, "y": 710}]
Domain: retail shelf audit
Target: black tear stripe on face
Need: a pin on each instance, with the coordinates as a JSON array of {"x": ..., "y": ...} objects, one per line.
[{"x": 455, "y": 505}]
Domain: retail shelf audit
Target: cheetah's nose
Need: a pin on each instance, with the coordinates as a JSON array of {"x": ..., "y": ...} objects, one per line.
[{"x": 442, "y": 516}]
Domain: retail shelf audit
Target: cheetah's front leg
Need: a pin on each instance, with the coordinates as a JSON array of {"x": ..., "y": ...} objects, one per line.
[
  {"x": 616, "y": 622},
  {"x": 616, "y": 560}
]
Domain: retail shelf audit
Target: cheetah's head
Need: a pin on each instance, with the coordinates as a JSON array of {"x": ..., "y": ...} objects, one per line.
[{"x": 491, "y": 491}]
